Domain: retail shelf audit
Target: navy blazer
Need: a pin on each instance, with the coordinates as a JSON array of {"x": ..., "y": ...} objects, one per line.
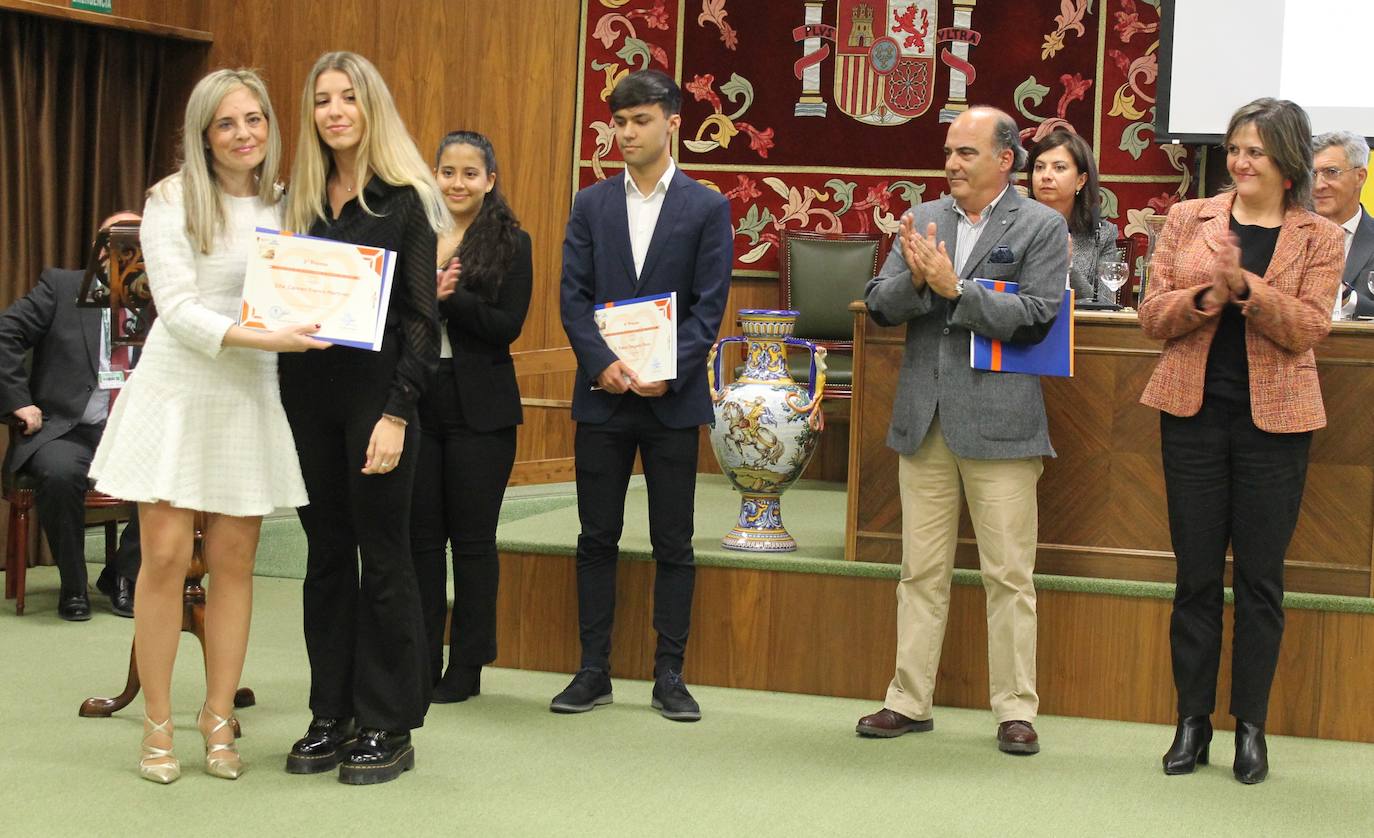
[
  {"x": 65, "y": 340},
  {"x": 481, "y": 334},
  {"x": 691, "y": 253},
  {"x": 1359, "y": 264}
]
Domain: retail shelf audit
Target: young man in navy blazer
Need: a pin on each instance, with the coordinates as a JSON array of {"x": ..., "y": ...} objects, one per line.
[{"x": 650, "y": 230}]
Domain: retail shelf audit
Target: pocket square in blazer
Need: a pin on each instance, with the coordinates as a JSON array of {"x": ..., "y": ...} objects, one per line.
[{"x": 1002, "y": 255}]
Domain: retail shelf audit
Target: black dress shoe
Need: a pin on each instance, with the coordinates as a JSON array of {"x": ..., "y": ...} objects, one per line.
[
  {"x": 458, "y": 684},
  {"x": 1192, "y": 744},
  {"x": 1252, "y": 755},
  {"x": 324, "y": 744},
  {"x": 122, "y": 597},
  {"x": 672, "y": 700},
  {"x": 590, "y": 688},
  {"x": 379, "y": 756},
  {"x": 74, "y": 607}
]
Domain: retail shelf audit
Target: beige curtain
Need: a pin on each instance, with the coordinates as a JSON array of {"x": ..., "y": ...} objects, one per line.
[{"x": 81, "y": 109}]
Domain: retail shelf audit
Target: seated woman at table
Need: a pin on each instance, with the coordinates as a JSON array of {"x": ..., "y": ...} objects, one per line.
[
  {"x": 1241, "y": 287},
  {"x": 1063, "y": 176}
]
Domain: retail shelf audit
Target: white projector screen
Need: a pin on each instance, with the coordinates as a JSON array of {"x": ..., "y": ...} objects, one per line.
[{"x": 1216, "y": 55}]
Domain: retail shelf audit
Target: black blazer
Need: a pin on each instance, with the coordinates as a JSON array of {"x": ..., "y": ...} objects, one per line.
[
  {"x": 481, "y": 334},
  {"x": 65, "y": 341},
  {"x": 691, "y": 252},
  {"x": 1359, "y": 263}
]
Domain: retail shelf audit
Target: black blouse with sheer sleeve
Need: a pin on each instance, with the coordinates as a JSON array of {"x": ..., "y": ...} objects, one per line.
[{"x": 395, "y": 219}]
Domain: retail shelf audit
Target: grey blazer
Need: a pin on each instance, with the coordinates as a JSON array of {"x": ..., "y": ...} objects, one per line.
[
  {"x": 984, "y": 415},
  {"x": 1358, "y": 264}
]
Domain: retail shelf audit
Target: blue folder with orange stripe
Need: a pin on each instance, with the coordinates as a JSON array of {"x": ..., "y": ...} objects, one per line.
[{"x": 1051, "y": 356}]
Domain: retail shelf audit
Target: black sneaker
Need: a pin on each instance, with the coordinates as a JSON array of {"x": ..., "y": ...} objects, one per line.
[
  {"x": 379, "y": 756},
  {"x": 324, "y": 744},
  {"x": 672, "y": 699},
  {"x": 590, "y": 688}
]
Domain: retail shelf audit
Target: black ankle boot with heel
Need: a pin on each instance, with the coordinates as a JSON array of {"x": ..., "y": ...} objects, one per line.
[
  {"x": 1252, "y": 755},
  {"x": 458, "y": 684},
  {"x": 1192, "y": 744}
]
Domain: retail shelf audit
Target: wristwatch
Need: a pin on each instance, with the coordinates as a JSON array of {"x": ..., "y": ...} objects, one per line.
[{"x": 959, "y": 287}]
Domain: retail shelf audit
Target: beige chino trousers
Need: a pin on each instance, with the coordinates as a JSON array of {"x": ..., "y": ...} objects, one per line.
[{"x": 1002, "y": 503}]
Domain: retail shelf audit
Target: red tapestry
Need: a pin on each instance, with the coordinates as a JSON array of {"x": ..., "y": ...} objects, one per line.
[{"x": 830, "y": 114}]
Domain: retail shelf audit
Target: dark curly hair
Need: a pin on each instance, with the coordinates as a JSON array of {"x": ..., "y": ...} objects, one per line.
[{"x": 488, "y": 246}]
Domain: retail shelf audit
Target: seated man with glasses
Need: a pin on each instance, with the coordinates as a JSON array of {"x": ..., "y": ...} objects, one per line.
[{"x": 1340, "y": 160}]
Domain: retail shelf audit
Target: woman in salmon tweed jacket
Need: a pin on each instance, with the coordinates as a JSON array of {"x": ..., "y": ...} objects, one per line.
[{"x": 1241, "y": 289}]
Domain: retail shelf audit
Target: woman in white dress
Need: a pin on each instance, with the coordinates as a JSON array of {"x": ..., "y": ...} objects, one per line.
[{"x": 199, "y": 426}]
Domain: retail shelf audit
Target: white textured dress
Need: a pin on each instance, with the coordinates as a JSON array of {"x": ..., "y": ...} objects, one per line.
[{"x": 199, "y": 425}]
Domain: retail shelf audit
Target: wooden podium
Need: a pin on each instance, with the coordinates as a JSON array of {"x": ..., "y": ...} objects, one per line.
[{"x": 1102, "y": 504}]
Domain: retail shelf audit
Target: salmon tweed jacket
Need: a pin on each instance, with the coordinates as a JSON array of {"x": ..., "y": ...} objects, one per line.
[{"x": 1287, "y": 313}]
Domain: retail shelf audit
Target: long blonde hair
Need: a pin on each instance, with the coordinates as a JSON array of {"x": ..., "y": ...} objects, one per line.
[
  {"x": 386, "y": 148},
  {"x": 201, "y": 195}
]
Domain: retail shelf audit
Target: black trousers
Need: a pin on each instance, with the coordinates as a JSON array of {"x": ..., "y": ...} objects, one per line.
[
  {"x": 460, "y": 481},
  {"x": 364, "y": 633},
  {"x": 1227, "y": 481},
  {"x": 605, "y": 456},
  {"x": 60, "y": 468}
]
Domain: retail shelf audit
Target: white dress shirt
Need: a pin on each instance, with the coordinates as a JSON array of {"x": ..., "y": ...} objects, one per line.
[
  {"x": 643, "y": 212},
  {"x": 1346, "y": 310},
  {"x": 969, "y": 232}
]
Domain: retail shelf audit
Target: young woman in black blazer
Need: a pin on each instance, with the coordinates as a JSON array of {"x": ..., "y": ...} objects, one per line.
[
  {"x": 469, "y": 412},
  {"x": 359, "y": 178}
]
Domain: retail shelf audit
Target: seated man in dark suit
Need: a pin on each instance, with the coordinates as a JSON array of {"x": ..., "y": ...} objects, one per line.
[
  {"x": 1340, "y": 160},
  {"x": 60, "y": 409}
]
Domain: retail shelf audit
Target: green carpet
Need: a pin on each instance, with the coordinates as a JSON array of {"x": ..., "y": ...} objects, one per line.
[
  {"x": 501, "y": 764},
  {"x": 543, "y": 519}
]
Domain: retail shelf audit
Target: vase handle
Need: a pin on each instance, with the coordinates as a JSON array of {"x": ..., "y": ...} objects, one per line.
[
  {"x": 713, "y": 372},
  {"x": 817, "y": 383}
]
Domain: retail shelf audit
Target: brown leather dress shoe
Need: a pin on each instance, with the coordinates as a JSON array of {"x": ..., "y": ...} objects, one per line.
[
  {"x": 889, "y": 723},
  {"x": 1017, "y": 737}
]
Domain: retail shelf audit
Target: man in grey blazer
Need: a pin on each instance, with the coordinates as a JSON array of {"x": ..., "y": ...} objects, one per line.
[
  {"x": 963, "y": 431},
  {"x": 59, "y": 409},
  {"x": 1340, "y": 160}
]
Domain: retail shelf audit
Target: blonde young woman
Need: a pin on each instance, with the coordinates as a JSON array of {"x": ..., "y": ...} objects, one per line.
[
  {"x": 199, "y": 426},
  {"x": 359, "y": 178}
]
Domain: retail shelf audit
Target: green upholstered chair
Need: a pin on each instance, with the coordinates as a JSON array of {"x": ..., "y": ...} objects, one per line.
[{"x": 819, "y": 276}]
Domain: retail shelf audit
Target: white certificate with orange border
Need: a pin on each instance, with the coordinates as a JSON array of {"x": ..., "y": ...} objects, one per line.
[
  {"x": 643, "y": 333},
  {"x": 294, "y": 280}
]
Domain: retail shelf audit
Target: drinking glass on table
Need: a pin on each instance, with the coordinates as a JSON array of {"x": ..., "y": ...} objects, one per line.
[{"x": 1113, "y": 273}]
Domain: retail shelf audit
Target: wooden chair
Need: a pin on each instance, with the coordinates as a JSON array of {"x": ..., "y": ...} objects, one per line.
[
  {"x": 19, "y": 490},
  {"x": 125, "y": 285},
  {"x": 1129, "y": 293},
  {"x": 192, "y": 622},
  {"x": 820, "y": 275}
]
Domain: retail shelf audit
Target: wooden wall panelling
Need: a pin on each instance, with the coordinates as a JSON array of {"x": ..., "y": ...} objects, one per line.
[
  {"x": 174, "y": 18},
  {"x": 505, "y": 69},
  {"x": 486, "y": 65}
]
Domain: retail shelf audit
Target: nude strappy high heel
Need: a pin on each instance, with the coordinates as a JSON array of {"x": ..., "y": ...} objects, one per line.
[
  {"x": 221, "y": 759},
  {"x": 168, "y": 768}
]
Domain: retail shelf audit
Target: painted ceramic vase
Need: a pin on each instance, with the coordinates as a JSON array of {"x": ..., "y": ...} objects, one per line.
[{"x": 766, "y": 426}]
